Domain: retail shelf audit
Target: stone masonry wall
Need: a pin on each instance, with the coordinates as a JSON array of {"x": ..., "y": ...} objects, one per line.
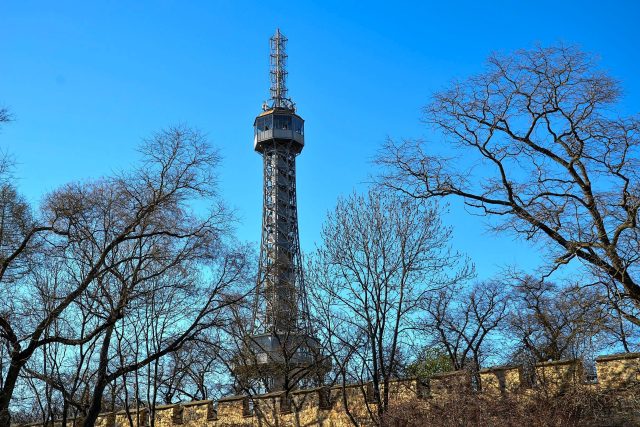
[{"x": 325, "y": 406}]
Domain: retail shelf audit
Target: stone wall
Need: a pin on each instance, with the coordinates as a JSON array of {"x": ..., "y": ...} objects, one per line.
[
  {"x": 325, "y": 406},
  {"x": 618, "y": 370},
  {"x": 500, "y": 380}
]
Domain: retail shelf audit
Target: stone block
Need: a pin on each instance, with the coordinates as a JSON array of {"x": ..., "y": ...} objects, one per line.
[
  {"x": 449, "y": 382},
  {"x": 501, "y": 380},
  {"x": 618, "y": 370},
  {"x": 558, "y": 376}
]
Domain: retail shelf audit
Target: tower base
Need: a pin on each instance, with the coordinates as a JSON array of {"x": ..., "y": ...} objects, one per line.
[{"x": 281, "y": 361}]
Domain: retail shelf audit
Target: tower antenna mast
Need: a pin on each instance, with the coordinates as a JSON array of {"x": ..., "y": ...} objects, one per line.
[{"x": 278, "y": 72}]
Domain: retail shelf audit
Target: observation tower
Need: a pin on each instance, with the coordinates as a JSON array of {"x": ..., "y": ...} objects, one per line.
[{"x": 281, "y": 350}]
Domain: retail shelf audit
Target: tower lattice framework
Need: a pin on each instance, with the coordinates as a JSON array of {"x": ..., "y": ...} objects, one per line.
[
  {"x": 281, "y": 303},
  {"x": 282, "y": 345}
]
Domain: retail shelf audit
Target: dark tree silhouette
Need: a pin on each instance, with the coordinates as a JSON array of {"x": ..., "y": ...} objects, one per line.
[
  {"x": 542, "y": 150},
  {"x": 117, "y": 266}
]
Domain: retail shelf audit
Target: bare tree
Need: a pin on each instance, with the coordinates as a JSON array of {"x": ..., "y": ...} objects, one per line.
[
  {"x": 65, "y": 372},
  {"x": 382, "y": 254},
  {"x": 109, "y": 248},
  {"x": 5, "y": 116},
  {"x": 464, "y": 321},
  {"x": 621, "y": 333},
  {"x": 551, "y": 322},
  {"x": 176, "y": 309},
  {"x": 193, "y": 373},
  {"x": 540, "y": 148}
]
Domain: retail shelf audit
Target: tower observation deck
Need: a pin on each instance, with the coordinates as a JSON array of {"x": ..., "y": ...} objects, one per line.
[{"x": 281, "y": 349}]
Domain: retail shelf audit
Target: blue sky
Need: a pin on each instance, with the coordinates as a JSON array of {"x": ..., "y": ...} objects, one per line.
[{"x": 87, "y": 80}]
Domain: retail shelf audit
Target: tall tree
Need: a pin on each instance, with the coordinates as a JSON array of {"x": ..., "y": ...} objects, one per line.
[
  {"x": 117, "y": 251},
  {"x": 382, "y": 254},
  {"x": 540, "y": 148}
]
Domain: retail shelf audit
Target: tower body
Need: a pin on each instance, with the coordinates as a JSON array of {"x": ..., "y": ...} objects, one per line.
[
  {"x": 281, "y": 348},
  {"x": 279, "y": 138}
]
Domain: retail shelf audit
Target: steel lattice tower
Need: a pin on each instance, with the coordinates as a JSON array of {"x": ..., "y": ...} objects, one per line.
[{"x": 282, "y": 343}]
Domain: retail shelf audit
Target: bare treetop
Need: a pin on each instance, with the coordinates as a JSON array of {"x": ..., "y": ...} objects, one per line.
[{"x": 549, "y": 156}]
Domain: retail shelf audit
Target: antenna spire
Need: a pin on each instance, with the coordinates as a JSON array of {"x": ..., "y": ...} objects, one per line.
[{"x": 278, "y": 71}]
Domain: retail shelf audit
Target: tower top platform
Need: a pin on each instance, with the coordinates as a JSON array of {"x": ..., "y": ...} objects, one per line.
[
  {"x": 278, "y": 110},
  {"x": 277, "y": 126}
]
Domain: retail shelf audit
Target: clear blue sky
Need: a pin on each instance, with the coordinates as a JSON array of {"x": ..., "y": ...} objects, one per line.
[{"x": 87, "y": 80}]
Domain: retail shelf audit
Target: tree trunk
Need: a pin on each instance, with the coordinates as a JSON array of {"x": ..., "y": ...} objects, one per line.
[
  {"x": 101, "y": 382},
  {"x": 7, "y": 392}
]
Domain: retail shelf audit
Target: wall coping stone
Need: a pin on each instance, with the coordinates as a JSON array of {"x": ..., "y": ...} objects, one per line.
[
  {"x": 269, "y": 395},
  {"x": 618, "y": 356},
  {"x": 166, "y": 406},
  {"x": 558, "y": 362},
  {"x": 134, "y": 410},
  {"x": 232, "y": 398},
  {"x": 449, "y": 374},
  {"x": 498, "y": 369},
  {"x": 197, "y": 402},
  {"x": 310, "y": 390}
]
